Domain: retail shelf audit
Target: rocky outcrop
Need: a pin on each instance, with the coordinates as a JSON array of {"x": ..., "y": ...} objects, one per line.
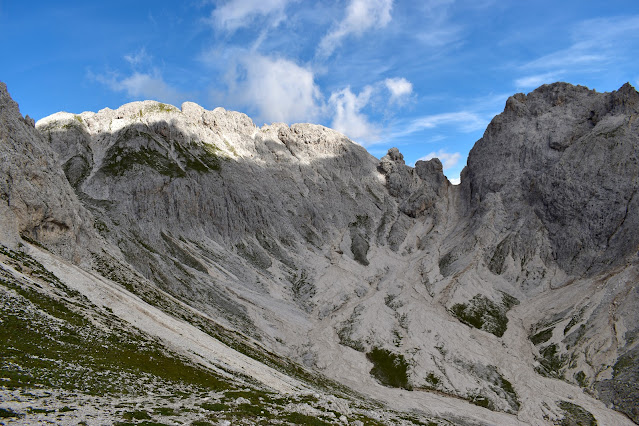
[
  {"x": 417, "y": 189},
  {"x": 36, "y": 201},
  {"x": 296, "y": 237},
  {"x": 568, "y": 162}
]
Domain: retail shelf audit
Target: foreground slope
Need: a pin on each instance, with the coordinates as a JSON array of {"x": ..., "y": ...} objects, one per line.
[{"x": 513, "y": 291}]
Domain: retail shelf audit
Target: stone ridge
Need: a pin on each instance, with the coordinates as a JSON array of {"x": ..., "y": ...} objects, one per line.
[{"x": 301, "y": 242}]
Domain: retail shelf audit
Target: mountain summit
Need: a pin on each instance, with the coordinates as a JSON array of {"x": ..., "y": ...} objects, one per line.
[{"x": 315, "y": 282}]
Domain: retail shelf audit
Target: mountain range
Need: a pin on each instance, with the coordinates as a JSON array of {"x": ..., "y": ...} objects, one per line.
[{"x": 164, "y": 265}]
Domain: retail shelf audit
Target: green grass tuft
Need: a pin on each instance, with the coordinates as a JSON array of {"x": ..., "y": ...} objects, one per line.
[
  {"x": 484, "y": 314},
  {"x": 389, "y": 368}
]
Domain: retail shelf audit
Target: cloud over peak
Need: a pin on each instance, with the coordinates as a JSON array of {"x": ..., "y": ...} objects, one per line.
[
  {"x": 277, "y": 88},
  {"x": 348, "y": 117}
]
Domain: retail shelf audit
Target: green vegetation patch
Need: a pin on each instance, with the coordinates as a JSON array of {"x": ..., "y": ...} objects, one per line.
[
  {"x": 542, "y": 337},
  {"x": 389, "y": 368},
  {"x": 165, "y": 411},
  {"x": 6, "y": 413},
  {"x": 45, "y": 340},
  {"x": 118, "y": 160},
  {"x": 345, "y": 332},
  {"x": 214, "y": 406},
  {"x": 433, "y": 381},
  {"x": 482, "y": 313},
  {"x": 481, "y": 400},
  {"x": 581, "y": 379},
  {"x": 551, "y": 362},
  {"x": 303, "y": 419},
  {"x": 497, "y": 383},
  {"x": 136, "y": 415},
  {"x": 575, "y": 415},
  {"x": 200, "y": 157}
]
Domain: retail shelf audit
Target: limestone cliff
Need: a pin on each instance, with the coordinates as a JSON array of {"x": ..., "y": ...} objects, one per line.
[{"x": 296, "y": 241}]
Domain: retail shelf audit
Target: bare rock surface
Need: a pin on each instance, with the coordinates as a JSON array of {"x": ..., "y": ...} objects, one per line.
[
  {"x": 509, "y": 299},
  {"x": 35, "y": 201}
]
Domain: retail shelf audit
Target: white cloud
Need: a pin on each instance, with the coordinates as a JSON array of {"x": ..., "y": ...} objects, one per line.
[
  {"x": 448, "y": 159},
  {"x": 142, "y": 86},
  {"x": 534, "y": 81},
  {"x": 144, "y": 82},
  {"x": 437, "y": 29},
  {"x": 455, "y": 180},
  {"x": 348, "y": 117},
  {"x": 465, "y": 120},
  {"x": 567, "y": 58},
  {"x": 595, "y": 41},
  {"x": 139, "y": 58},
  {"x": 279, "y": 89},
  {"x": 361, "y": 16},
  {"x": 399, "y": 88},
  {"x": 438, "y": 37},
  {"x": 237, "y": 14}
]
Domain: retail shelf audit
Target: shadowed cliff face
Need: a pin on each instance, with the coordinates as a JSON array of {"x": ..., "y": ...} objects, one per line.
[
  {"x": 36, "y": 202},
  {"x": 300, "y": 238},
  {"x": 564, "y": 159}
]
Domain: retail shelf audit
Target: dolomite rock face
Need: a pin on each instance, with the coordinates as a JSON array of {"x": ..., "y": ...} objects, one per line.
[
  {"x": 514, "y": 290},
  {"x": 417, "y": 189},
  {"x": 568, "y": 160},
  {"x": 36, "y": 201}
]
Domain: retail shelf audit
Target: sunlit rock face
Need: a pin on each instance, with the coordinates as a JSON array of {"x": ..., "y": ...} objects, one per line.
[{"x": 383, "y": 277}]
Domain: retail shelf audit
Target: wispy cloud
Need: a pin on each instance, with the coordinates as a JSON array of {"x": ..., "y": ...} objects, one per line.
[
  {"x": 138, "y": 59},
  {"x": 143, "y": 82},
  {"x": 465, "y": 121},
  {"x": 594, "y": 42},
  {"x": 277, "y": 88},
  {"x": 236, "y": 14},
  {"x": 438, "y": 30},
  {"x": 361, "y": 16},
  {"x": 349, "y": 119},
  {"x": 537, "y": 80},
  {"x": 438, "y": 37},
  {"x": 141, "y": 86}
]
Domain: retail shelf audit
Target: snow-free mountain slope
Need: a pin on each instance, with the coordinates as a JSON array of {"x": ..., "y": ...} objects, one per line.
[{"x": 508, "y": 299}]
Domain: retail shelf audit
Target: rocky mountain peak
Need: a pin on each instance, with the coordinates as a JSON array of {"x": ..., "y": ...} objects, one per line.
[
  {"x": 293, "y": 243},
  {"x": 36, "y": 202},
  {"x": 418, "y": 188}
]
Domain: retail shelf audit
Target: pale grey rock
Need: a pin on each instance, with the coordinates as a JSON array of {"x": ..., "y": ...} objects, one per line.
[
  {"x": 298, "y": 238},
  {"x": 569, "y": 161},
  {"x": 36, "y": 201},
  {"x": 417, "y": 189}
]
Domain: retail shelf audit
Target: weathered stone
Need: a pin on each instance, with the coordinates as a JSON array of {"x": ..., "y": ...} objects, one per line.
[{"x": 294, "y": 234}]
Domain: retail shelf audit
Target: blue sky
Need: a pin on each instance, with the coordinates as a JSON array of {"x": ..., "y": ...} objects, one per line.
[{"x": 426, "y": 76}]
